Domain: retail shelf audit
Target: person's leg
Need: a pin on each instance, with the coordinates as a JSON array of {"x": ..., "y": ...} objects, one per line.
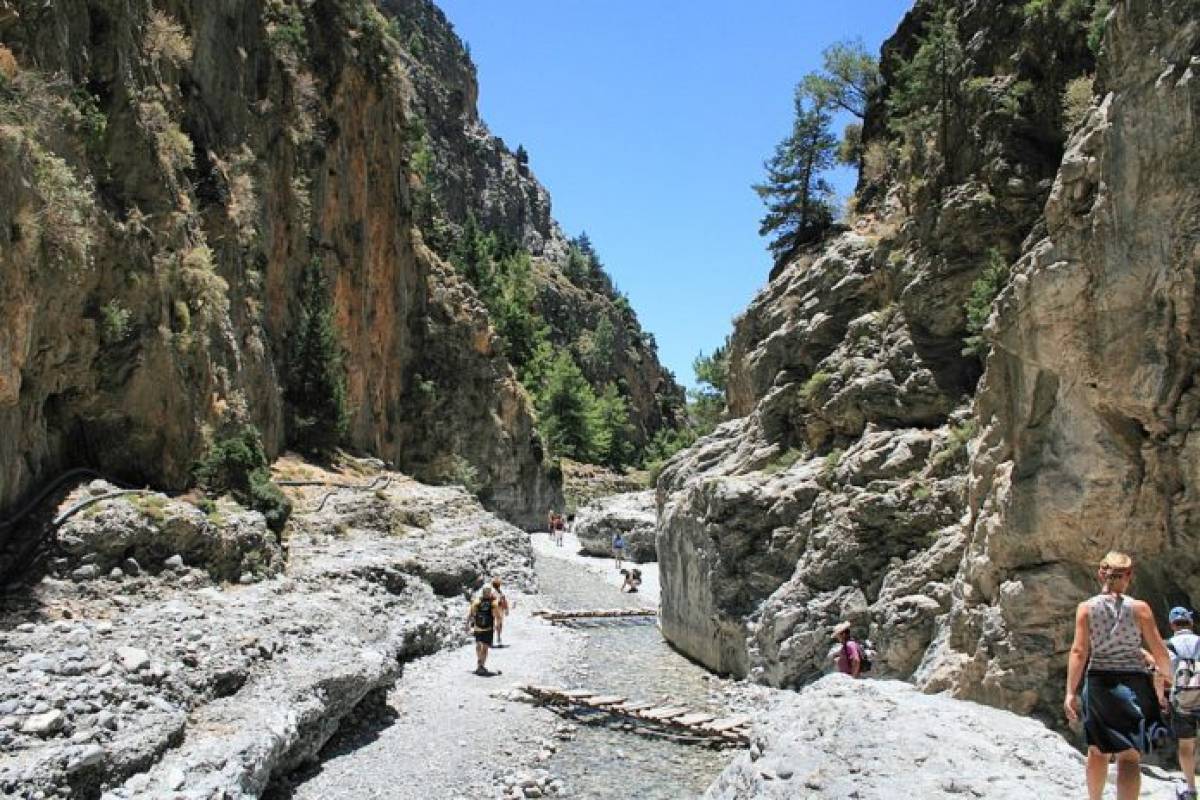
[
  {"x": 1097, "y": 773},
  {"x": 480, "y": 654},
  {"x": 1129, "y": 775},
  {"x": 483, "y": 657},
  {"x": 499, "y": 628},
  {"x": 1187, "y": 760}
]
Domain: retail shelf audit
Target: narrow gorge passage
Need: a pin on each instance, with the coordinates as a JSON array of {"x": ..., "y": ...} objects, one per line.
[{"x": 445, "y": 733}]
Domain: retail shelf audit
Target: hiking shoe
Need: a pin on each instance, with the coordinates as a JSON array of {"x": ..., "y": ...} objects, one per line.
[
  {"x": 1186, "y": 794},
  {"x": 487, "y": 673}
]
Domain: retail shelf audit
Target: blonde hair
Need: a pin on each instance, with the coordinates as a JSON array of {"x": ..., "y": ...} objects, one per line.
[
  {"x": 1116, "y": 560},
  {"x": 496, "y": 582}
]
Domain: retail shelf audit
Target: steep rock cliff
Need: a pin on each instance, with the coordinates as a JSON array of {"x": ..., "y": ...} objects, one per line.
[
  {"x": 1088, "y": 405},
  {"x": 838, "y": 491},
  {"x": 168, "y": 169},
  {"x": 473, "y": 173}
]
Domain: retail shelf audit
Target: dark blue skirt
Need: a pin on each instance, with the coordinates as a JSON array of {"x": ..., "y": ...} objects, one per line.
[{"x": 1121, "y": 712}]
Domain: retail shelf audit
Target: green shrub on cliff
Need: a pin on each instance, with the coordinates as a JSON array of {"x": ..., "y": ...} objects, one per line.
[
  {"x": 237, "y": 463},
  {"x": 979, "y": 305},
  {"x": 315, "y": 386}
]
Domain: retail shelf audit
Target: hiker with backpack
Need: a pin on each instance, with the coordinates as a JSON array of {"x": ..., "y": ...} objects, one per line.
[
  {"x": 1184, "y": 646},
  {"x": 850, "y": 657},
  {"x": 499, "y": 611},
  {"x": 618, "y": 548},
  {"x": 1108, "y": 685},
  {"x": 481, "y": 622}
]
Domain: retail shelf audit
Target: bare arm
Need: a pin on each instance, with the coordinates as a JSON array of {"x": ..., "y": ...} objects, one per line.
[
  {"x": 1152, "y": 638},
  {"x": 855, "y": 656},
  {"x": 1077, "y": 661}
]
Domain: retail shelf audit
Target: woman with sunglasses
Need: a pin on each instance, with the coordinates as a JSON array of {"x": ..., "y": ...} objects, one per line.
[{"x": 1120, "y": 708}]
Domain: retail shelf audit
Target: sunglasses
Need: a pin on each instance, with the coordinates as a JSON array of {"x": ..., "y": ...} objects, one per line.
[{"x": 1117, "y": 573}]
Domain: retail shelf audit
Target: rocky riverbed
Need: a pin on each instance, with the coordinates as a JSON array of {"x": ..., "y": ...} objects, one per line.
[{"x": 169, "y": 683}]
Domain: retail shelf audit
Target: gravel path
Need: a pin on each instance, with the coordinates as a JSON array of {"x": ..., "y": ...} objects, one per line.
[
  {"x": 444, "y": 732},
  {"x": 647, "y": 596}
]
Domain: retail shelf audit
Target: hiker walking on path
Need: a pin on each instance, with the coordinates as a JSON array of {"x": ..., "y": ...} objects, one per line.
[
  {"x": 499, "y": 611},
  {"x": 481, "y": 622},
  {"x": 848, "y": 656},
  {"x": 618, "y": 548},
  {"x": 1184, "y": 645},
  {"x": 1118, "y": 704}
]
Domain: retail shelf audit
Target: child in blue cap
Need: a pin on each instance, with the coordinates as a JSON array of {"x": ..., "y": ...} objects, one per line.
[{"x": 1184, "y": 644}]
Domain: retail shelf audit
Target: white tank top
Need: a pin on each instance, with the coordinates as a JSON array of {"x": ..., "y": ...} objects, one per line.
[{"x": 1116, "y": 640}]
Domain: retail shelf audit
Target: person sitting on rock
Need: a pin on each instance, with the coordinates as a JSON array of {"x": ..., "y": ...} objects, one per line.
[
  {"x": 499, "y": 611},
  {"x": 633, "y": 579},
  {"x": 481, "y": 622},
  {"x": 848, "y": 654},
  {"x": 1121, "y": 714}
]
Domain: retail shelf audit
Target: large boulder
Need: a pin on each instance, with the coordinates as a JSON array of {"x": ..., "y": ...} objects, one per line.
[
  {"x": 111, "y": 527},
  {"x": 879, "y": 740},
  {"x": 632, "y": 514}
]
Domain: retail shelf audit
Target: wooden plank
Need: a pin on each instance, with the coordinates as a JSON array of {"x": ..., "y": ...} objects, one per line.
[
  {"x": 626, "y": 708},
  {"x": 605, "y": 700},
  {"x": 693, "y": 719},
  {"x": 728, "y": 723},
  {"x": 663, "y": 713},
  {"x": 577, "y": 694}
]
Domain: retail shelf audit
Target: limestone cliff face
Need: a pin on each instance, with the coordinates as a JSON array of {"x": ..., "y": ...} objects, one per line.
[
  {"x": 166, "y": 171},
  {"x": 1088, "y": 406},
  {"x": 474, "y": 173},
  {"x": 839, "y": 490}
]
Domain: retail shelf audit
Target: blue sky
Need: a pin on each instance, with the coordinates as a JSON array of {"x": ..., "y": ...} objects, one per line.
[{"x": 648, "y": 120}]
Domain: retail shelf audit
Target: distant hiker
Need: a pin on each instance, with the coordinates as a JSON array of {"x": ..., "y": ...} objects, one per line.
[
  {"x": 1121, "y": 714},
  {"x": 559, "y": 526},
  {"x": 1184, "y": 645},
  {"x": 633, "y": 579},
  {"x": 481, "y": 622},
  {"x": 499, "y": 610},
  {"x": 618, "y": 548},
  {"x": 848, "y": 656}
]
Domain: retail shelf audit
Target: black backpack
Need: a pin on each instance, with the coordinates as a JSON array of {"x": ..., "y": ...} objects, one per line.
[{"x": 483, "y": 614}]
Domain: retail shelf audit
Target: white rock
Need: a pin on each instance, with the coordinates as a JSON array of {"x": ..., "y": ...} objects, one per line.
[{"x": 133, "y": 659}]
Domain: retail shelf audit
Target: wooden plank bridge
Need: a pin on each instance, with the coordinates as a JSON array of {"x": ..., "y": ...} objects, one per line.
[
  {"x": 560, "y": 617},
  {"x": 698, "y": 726}
]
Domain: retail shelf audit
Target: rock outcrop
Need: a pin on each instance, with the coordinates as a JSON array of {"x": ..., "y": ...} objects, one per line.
[
  {"x": 878, "y": 740},
  {"x": 839, "y": 490},
  {"x": 632, "y": 514},
  {"x": 169, "y": 171},
  {"x": 1088, "y": 407},
  {"x": 146, "y": 685}
]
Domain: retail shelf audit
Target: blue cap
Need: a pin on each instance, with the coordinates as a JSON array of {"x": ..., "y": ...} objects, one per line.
[{"x": 1180, "y": 614}]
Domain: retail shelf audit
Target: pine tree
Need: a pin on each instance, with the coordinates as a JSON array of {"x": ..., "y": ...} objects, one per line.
[
  {"x": 928, "y": 93},
  {"x": 567, "y": 411},
  {"x": 316, "y": 382},
  {"x": 797, "y": 196},
  {"x": 614, "y": 444},
  {"x": 849, "y": 77},
  {"x": 473, "y": 258}
]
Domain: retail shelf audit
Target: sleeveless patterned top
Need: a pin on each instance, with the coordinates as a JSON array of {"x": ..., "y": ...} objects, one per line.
[{"x": 1115, "y": 637}]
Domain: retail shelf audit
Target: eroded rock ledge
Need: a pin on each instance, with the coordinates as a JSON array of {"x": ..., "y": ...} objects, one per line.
[{"x": 171, "y": 684}]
